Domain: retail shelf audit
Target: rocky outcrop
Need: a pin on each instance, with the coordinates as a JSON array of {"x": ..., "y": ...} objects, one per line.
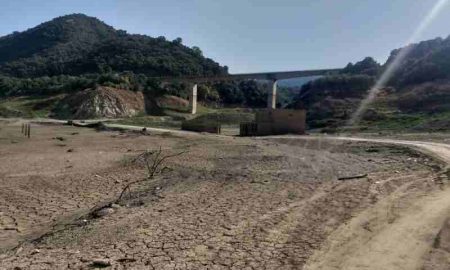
[{"x": 101, "y": 102}]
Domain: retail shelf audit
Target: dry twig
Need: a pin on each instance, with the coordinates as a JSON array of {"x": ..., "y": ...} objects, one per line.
[
  {"x": 153, "y": 161},
  {"x": 352, "y": 177}
]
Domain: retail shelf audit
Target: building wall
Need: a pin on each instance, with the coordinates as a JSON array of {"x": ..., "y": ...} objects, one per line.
[
  {"x": 280, "y": 121},
  {"x": 199, "y": 127}
]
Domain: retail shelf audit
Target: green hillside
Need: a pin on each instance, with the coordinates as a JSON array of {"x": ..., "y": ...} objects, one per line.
[
  {"x": 416, "y": 98},
  {"x": 77, "y": 44}
]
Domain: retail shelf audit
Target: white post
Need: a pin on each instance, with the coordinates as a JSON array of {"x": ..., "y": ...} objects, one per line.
[
  {"x": 193, "y": 100},
  {"x": 272, "y": 96}
]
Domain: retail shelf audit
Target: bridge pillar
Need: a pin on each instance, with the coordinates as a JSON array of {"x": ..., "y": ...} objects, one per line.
[
  {"x": 193, "y": 100},
  {"x": 272, "y": 95}
]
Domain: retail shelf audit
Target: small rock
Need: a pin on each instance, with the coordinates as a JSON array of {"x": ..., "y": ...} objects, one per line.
[
  {"x": 115, "y": 206},
  {"x": 104, "y": 212},
  {"x": 35, "y": 251},
  {"x": 19, "y": 250},
  {"x": 70, "y": 150},
  {"x": 101, "y": 263}
]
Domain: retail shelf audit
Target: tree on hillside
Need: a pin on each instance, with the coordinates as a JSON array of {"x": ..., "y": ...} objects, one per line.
[
  {"x": 207, "y": 93},
  {"x": 178, "y": 41},
  {"x": 368, "y": 66},
  {"x": 197, "y": 51},
  {"x": 230, "y": 93},
  {"x": 254, "y": 93}
]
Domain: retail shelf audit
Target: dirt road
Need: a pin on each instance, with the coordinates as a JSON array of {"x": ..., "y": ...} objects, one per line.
[{"x": 372, "y": 241}]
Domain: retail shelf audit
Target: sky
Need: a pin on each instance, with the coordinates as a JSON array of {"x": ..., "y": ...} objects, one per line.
[{"x": 254, "y": 35}]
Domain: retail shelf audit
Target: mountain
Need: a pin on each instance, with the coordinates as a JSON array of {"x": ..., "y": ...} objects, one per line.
[
  {"x": 426, "y": 61},
  {"x": 417, "y": 96},
  {"x": 78, "y": 44}
]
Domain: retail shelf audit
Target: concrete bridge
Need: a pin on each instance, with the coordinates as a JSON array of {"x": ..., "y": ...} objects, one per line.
[{"x": 273, "y": 77}]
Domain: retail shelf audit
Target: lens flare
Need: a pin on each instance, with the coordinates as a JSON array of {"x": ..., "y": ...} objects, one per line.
[{"x": 396, "y": 62}]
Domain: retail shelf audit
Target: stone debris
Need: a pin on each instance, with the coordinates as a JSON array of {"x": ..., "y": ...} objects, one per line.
[
  {"x": 104, "y": 212},
  {"x": 101, "y": 263},
  {"x": 115, "y": 206}
]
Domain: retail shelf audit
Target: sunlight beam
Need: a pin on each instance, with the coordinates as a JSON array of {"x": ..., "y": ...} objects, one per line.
[{"x": 398, "y": 59}]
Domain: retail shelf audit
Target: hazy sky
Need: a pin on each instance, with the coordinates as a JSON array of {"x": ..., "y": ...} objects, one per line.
[{"x": 253, "y": 35}]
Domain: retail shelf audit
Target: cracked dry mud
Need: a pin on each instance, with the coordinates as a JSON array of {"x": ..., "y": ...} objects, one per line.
[{"x": 229, "y": 203}]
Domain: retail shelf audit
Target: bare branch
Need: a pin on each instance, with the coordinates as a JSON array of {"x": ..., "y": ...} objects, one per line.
[
  {"x": 152, "y": 165},
  {"x": 352, "y": 177}
]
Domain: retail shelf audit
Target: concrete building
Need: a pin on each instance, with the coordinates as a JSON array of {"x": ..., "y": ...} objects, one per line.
[{"x": 273, "y": 122}]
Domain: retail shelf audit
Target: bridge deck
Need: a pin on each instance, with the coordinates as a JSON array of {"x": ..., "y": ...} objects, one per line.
[{"x": 273, "y": 76}]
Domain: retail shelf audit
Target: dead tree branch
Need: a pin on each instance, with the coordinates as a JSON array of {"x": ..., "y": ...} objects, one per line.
[
  {"x": 153, "y": 161},
  {"x": 352, "y": 177}
]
